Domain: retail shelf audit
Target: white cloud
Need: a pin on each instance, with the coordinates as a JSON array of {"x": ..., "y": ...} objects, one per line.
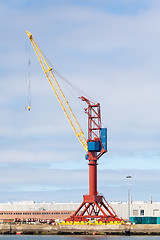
[
  {"x": 59, "y": 185},
  {"x": 113, "y": 57}
]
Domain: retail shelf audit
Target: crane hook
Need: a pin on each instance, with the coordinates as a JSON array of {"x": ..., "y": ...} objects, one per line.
[{"x": 29, "y": 108}]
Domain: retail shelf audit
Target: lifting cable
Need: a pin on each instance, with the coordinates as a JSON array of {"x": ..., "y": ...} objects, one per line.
[
  {"x": 68, "y": 83},
  {"x": 28, "y": 78},
  {"x": 71, "y": 87}
]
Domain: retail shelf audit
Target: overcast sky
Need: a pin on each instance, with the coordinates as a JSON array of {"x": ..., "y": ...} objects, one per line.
[{"x": 110, "y": 49}]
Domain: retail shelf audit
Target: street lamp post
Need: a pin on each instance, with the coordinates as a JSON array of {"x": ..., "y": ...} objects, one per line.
[{"x": 128, "y": 177}]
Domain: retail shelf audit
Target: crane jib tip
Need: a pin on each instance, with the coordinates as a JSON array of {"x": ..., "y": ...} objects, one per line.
[{"x": 29, "y": 34}]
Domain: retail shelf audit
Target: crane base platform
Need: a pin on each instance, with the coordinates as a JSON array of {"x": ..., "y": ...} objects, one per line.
[{"x": 94, "y": 207}]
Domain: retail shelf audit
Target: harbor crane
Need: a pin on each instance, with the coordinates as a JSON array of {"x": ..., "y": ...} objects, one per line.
[{"x": 94, "y": 206}]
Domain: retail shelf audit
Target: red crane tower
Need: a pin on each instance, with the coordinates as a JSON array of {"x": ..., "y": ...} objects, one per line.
[{"x": 94, "y": 206}]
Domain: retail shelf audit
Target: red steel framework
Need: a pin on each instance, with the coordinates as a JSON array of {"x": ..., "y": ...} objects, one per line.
[{"x": 94, "y": 206}]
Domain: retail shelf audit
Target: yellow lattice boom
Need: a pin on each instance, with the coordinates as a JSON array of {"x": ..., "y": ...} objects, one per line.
[{"x": 59, "y": 94}]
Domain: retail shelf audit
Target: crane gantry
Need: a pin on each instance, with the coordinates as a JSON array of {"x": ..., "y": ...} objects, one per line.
[{"x": 94, "y": 206}]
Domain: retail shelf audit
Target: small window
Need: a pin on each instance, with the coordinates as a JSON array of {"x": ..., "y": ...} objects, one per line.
[
  {"x": 142, "y": 212},
  {"x": 135, "y": 212},
  {"x": 155, "y": 212}
]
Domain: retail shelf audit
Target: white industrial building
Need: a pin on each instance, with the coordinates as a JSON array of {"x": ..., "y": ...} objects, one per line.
[{"x": 136, "y": 208}]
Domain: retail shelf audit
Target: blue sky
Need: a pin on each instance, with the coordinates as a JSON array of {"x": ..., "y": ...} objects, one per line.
[{"x": 108, "y": 49}]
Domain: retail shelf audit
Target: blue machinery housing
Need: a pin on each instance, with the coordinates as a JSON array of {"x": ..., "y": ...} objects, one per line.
[
  {"x": 104, "y": 138},
  {"x": 95, "y": 146}
]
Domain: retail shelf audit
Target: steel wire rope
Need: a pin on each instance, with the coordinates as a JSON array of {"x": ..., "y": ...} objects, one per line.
[
  {"x": 49, "y": 65},
  {"x": 70, "y": 87},
  {"x": 78, "y": 90},
  {"x": 25, "y": 78},
  {"x": 28, "y": 76},
  {"x": 66, "y": 80}
]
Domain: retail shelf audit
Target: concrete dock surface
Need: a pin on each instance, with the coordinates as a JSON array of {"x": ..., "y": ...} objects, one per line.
[{"x": 40, "y": 229}]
